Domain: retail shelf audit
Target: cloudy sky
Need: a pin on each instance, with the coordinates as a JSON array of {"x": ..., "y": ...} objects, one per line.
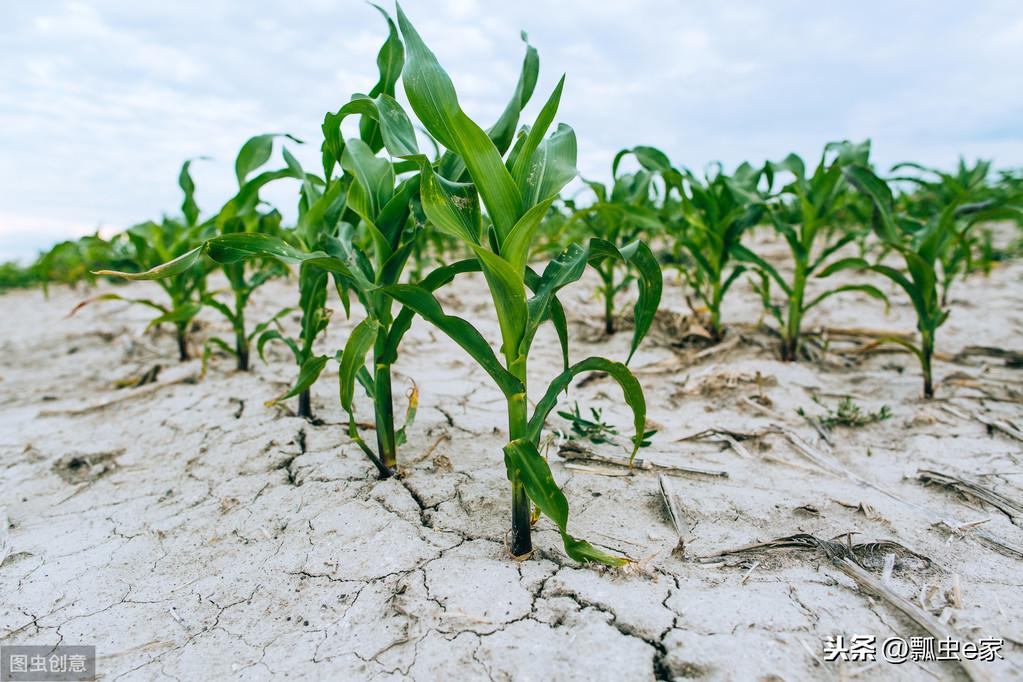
[{"x": 101, "y": 101}]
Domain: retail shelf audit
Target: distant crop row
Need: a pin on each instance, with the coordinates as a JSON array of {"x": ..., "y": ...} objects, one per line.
[{"x": 388, "y": 225}]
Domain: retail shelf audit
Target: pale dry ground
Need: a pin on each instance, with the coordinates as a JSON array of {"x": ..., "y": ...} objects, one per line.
[{"x": 190, "y": 532}]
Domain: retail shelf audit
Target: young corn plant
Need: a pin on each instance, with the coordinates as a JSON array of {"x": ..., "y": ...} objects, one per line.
[
  {"x": 378, "y": 227},
  {"x": 712, "y": 217},
  {"x": 517, "y": 192},
  {"x": 243, "y": 214},
  {"x": 935, "y": 189},
  {"x": 920, "y": 244},
  {"x": 619, "y": 217},
  {"x": 73, "y": 261},
  {"x": 319, "y": 214},
  {"x": 154, "y": 243},
  {"x": 324, "y": 217},
  {"x": 801, "y": 214}
]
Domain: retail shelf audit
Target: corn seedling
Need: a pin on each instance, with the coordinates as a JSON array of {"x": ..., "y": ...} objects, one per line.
[
  {"x": 74, "y": 261},
  {"x": 324, "y": 219},
  {"x": 712, "y": 217},
  {"x": 366, "y": 251},
  {"x": 619, "y": 217},
  {"x": 802, "y": 211},
  {"x": 920, "y": 244},
  {"x": 517, "y": 193},
  {"x": 154, "y": 243}
]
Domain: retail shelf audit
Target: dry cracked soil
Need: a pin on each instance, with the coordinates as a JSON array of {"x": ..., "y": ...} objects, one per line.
[{"x": 190, "y": 532}]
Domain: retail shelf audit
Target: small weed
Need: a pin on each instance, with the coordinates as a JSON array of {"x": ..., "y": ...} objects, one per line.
[
  {"x": 594, "y": 429},
  {"x": 846, "y": 413}
]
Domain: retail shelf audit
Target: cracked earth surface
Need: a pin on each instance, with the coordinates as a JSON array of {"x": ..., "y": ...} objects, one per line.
[{"x": 189, "y": 532}]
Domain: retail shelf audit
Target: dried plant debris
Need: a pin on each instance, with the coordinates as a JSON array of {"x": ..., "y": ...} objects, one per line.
[
  {"x": 85, "y": 468},
  {"x": 1010, "y": 507},
  {"x": 866, "y": 509},
  {"x": 718, "y": 382},
  {"x": 869, "y": 555},
  {"x": 574, "y": 451},
  {"x": 680, "y": 516},
  {"x": 997, "y": 389},
  {"x": 147, "y": 377},
  {"x": 1012, "y": 358},
  {"x": 5, "y": 544},
  {"x": 1003, "y": 425},
  {"x": 935, "y": 627}
]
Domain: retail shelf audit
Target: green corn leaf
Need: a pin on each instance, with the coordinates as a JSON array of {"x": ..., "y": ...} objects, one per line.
[
  {"x": 274, "y": 335},
  {"x": 868, "y": 289},
  {"x": 452, "y": 207},
  {"x": 320, "y": 218},
  {"x": 265, "y": 324},
  {"x": 844, "y": 264},
  {"x": 908, "y": 345},
  {"x": 916, "y": 295},
  {"x": 508, "y": 292},
  {"x": 117, "y": 297},
  {"x": 620, "y": 373},
  {"x": 390, "y": 59},
  {"x": 880, "y": 194},
  {"x": 365, "y": 380},
  {"x": 403, "y": 320},
  {"x": 189, "y": 208},
  {"x": 744, "y": 254},
  {"x": 307, "y": 376},
  {"x": 397, "y": 134},
  {"x": 236, "y": 247},
  {"x": 524, "y": 154},
  {"x": 353, "y": 358},
  {"x": 392, "y": 219},
  {"x": 503, "y": 130},
  {"x": 650, "y": 158},
  {"x": 169, "y": 269},
  {"x": 736, "y": 272},
  {"x": 247, "y": 198},
  {"x": 424, "y": 304},
  {"x": 650, "y": 282},
  {"x": 515, "y": 248},
  {"x": 568, "y": 267},
  {"x": 433, "y": 98},
  {"x": 254, "y": 153},
  {"x": 373, "y": 174},
  {"x": 221, "y": 308},
  {"x": 550, "y": 168},
  {"x": 181, "y": 313},
  {"x": 525, "y": 465},
  {"x": 207, "y": 351}
]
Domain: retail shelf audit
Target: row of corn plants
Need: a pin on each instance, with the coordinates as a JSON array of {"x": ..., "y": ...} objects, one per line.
[
  {"x": 381, "y": 203},
  {"x": 387, "y": 225}
]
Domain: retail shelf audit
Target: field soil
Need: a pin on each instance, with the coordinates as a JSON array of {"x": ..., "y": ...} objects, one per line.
[{"x": 190, "y": 532}]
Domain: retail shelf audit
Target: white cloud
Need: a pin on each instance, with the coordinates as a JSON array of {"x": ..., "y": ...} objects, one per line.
[{"x": 103, "y": 100}]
